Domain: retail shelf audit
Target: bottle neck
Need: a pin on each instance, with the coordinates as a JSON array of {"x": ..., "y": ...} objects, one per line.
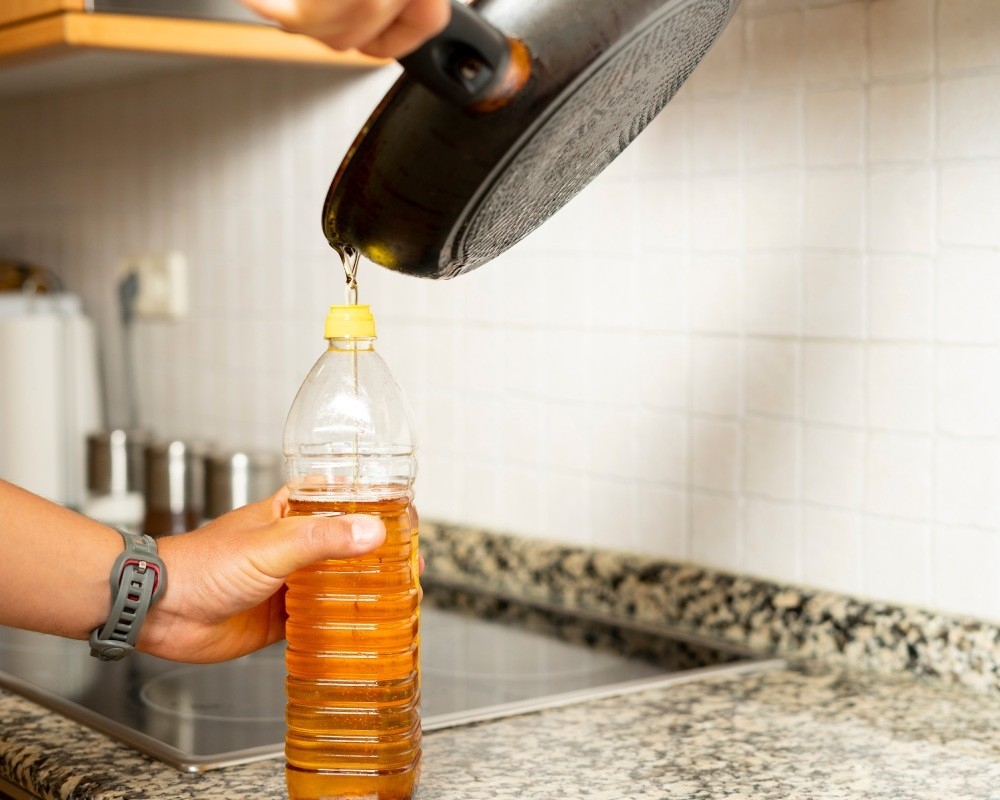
[{"x": 350, "y": 345}]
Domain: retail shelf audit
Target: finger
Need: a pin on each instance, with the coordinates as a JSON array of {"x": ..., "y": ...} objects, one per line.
[
  {"x": 341, "y": 25},
  {"x": 279, "y": 502},
  {"x": 320, "y": 20},
  {"x": 354, "y": 29},
  {"x": 415, "y": 24},
  {"x": 277, "y": 10},
  {"x": 296, "y": 542}
]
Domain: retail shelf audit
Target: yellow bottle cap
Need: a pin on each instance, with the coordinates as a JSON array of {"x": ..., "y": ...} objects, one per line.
[{"x": 350, "y": 322}]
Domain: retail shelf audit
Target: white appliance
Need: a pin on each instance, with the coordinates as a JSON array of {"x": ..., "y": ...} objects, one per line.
[{"x": 50, "y": 395}]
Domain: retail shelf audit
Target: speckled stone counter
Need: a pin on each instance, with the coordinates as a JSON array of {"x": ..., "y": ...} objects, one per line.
[
  {"x": 805, "y": 732},
  {"x": 820, "y": 728},
  {"x": 759, "y": 614}
]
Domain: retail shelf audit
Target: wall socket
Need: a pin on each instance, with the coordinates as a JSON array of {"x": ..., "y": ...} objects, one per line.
[{"x": 163, "y": 284}]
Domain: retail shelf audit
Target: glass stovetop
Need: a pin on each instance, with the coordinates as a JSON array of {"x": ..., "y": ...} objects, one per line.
[{"x": 482, "y": 657}]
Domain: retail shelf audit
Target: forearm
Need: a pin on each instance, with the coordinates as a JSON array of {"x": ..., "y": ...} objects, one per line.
[
  {"x": 223, "y": 596},
  {"x": 54, "y": 566}
]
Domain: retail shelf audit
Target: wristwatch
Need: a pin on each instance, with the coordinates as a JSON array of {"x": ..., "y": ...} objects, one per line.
[{"x": 138, "y": 578}]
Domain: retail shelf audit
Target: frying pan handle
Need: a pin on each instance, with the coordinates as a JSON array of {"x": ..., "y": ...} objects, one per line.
[{"x": 471, "y": 63}]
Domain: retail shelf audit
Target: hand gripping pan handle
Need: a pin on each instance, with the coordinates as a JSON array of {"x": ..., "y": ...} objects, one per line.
[{"x": 470, "y": 63}]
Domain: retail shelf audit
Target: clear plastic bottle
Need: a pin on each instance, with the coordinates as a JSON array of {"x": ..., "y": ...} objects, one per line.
[{"x": 353, "y": 683}]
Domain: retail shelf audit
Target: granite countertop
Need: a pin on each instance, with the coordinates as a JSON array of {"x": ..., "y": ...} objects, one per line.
[
  {"x": 800, "y": 732},
  {"x": 876, "y": 702}
]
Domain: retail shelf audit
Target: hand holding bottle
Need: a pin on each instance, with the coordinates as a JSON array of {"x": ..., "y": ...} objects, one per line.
[{"x": 226, "y": 592}]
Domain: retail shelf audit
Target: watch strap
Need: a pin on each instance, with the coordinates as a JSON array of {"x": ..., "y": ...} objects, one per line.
[{"x": 138, "y": 578}]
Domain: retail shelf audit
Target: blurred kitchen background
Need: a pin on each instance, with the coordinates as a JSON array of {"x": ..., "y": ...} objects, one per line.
[{"x": 765, "y": 340}]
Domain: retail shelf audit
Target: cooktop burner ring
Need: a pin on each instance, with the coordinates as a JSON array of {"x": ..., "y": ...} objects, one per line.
[{"x": 190, "y": 693}]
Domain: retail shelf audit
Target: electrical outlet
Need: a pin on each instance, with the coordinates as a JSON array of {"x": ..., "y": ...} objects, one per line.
[{"x": 163, "y": 284}]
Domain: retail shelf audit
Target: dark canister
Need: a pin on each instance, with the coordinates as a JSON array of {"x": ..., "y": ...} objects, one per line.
[
  {"x": 233, "y": 479},
  {"x": 175, "y": 487},
  {"x": 115, "y": 461}
]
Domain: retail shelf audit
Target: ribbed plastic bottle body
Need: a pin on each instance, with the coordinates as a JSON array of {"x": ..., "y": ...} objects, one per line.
[{"x": 353, "y": 684}]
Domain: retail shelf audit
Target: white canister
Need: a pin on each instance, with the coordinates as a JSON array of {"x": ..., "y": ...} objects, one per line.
[{"x": 50, "y": 395}]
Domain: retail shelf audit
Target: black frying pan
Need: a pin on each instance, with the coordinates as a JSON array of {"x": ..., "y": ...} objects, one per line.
[{"x": 488, "y": 134}]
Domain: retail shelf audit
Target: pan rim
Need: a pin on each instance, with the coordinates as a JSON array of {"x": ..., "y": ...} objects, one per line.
[{"x": 456, "y": 238}]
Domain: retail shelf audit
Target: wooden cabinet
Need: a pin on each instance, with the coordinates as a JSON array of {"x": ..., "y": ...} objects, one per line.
[{"x": 53, "y": 43}]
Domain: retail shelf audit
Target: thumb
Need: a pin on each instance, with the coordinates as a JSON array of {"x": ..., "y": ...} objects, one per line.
[{"x": 299, "y": 541}]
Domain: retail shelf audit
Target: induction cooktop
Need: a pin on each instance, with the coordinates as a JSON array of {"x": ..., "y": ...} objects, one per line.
[{"x": 483, "y": 656}]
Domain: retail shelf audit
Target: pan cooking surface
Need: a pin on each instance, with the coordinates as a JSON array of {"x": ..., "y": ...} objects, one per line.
[{"x": 601, "y": 115}]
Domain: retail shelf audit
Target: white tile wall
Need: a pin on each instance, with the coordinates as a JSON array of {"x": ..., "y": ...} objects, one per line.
[
  {"x": 901, "y": 37},
  {"x": 832, "y": 548},
  {"x": 900, "y": 122},
  {"x": 783, "y": 358}
]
